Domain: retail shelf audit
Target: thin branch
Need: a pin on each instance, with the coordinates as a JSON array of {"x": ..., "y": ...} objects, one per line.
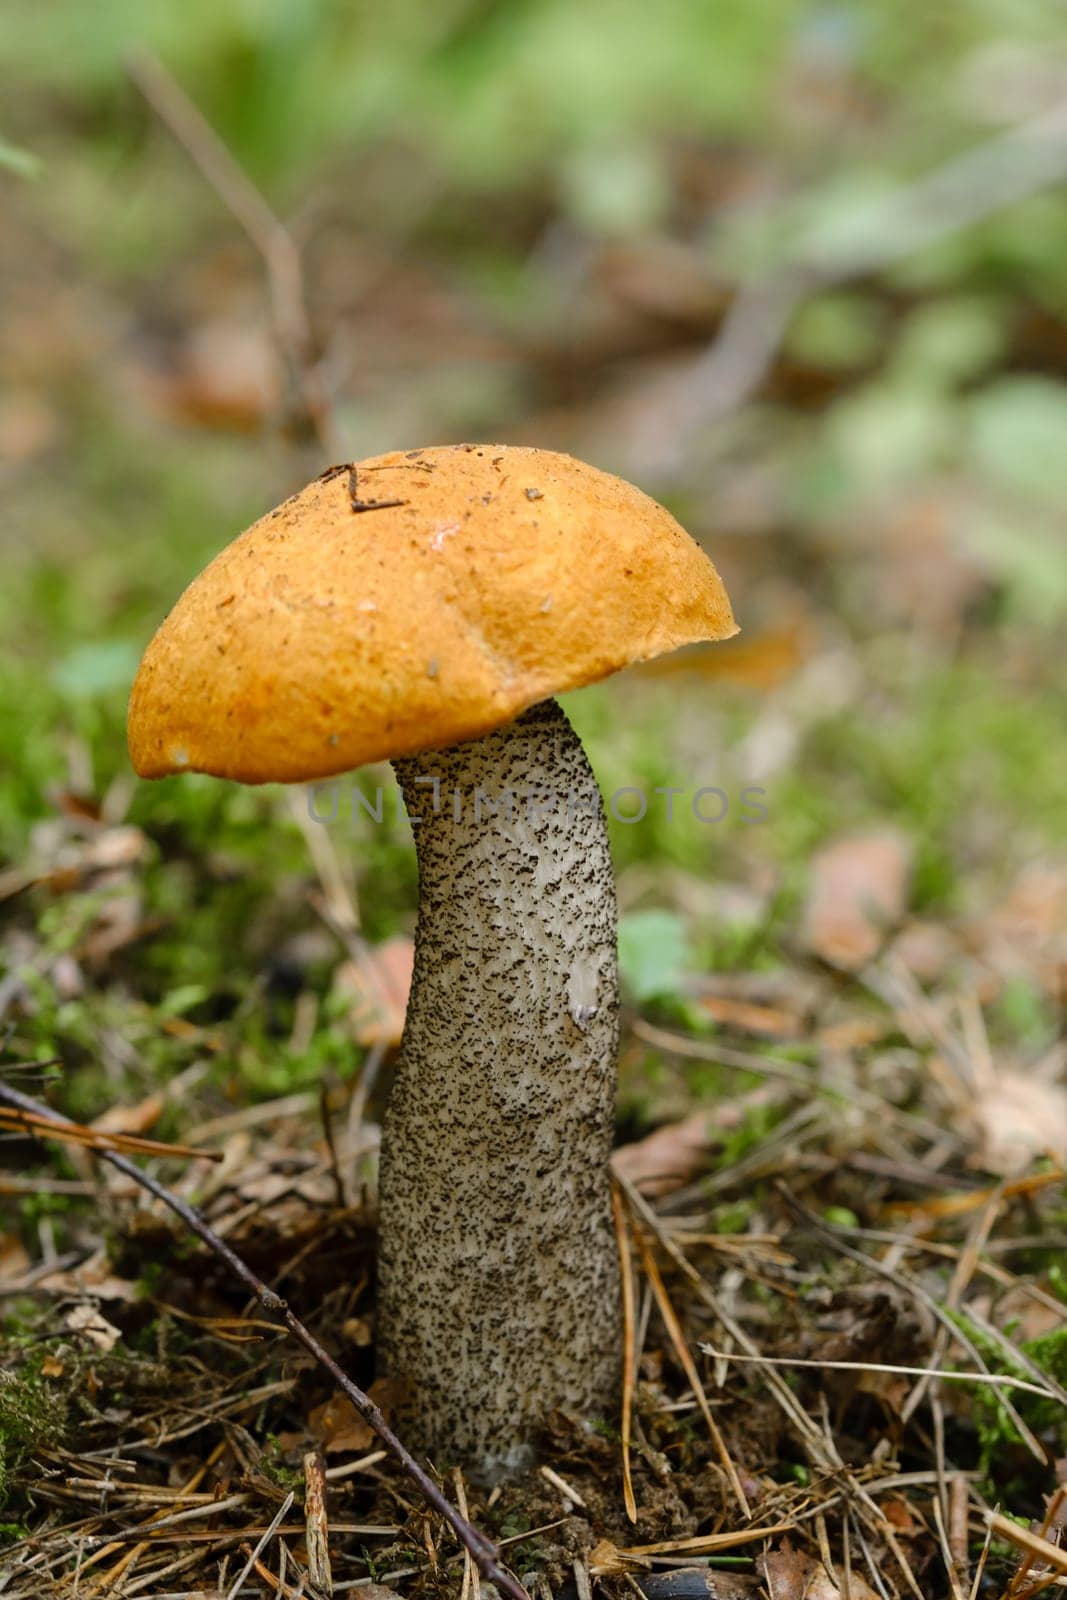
[
  {"x": 99, "y": 1139},
  {"x": 1033, "y": 1544},
  {"x": 482, "y": 1549},
  {"x": 629, "y": 1353},
  {"x": 264, "y": 1540},
  {"x": 996, "y": 1380}
]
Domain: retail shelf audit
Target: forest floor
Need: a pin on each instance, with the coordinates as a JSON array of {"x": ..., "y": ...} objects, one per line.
[{"x": 842, "y": 1124}]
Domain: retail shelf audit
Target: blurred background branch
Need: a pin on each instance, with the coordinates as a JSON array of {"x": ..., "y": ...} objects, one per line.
[
  {"x": 955, "y": 196},
  {"x": 281, "y": 258}
]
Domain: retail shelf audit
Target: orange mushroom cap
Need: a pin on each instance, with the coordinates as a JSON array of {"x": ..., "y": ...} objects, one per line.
[{"x": 338, "y": 631}]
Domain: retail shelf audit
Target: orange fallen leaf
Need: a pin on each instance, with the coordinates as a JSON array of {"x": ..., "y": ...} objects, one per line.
[
  {"x": 900, "y": 1515},
  {"x": 1020, "y": 1117},
  {"x": 665, "y": 1158},
  {"x": 14, "y": 1258},
  {"x": 770, "y": 1022},
  {"x": 338, "y": 1426},
  {"x": 858, "y": 891},
  {"x": 130, "y": 1119},
  {"x": 377, "y": 989},
  {"x": 762, "y": 661},
  {"x": 790, "y": 1575}
]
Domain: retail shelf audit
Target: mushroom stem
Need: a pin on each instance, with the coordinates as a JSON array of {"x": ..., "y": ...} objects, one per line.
[{"x": 499, "y": 1277}]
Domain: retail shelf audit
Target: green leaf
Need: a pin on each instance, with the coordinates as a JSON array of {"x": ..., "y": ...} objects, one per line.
[
  {"x": 951, "y": 340},
  {"x": 93, "y": 669},
  {"x": 837, "y": 331},
  {"x": 22, "y": 162},
  {"x": 182, "y": 999},
  {"x": 888, "y": 434},
  {"x": 616, "y": 190},
  {"x": 1018, "y": 435},
  {"x": 653, "y": 953}
]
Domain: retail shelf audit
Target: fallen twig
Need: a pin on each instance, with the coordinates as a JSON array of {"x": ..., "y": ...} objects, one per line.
[
  {"x": 1003, "y": 1380},
  {"x": 45, "y": 1127},
  {"x": 1032, "y": 1543},
  {"x": 317, "y": 1523},
  {"x": 263, "y": 1540},
  {"x": 629, "y": 1354}
]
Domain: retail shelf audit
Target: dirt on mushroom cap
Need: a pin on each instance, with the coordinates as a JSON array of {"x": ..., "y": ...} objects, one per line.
[{"x": 411, "y": 601}]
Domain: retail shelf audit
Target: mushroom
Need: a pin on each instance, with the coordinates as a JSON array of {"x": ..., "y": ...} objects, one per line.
[{"x": 424, "y": 607}]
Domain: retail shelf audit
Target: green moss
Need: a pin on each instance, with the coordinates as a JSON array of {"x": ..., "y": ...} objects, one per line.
[
  {"x": 275, "y": 1465},
  {"x": 999, "y": 1438},
  {"x": 33, "y": 1415}
]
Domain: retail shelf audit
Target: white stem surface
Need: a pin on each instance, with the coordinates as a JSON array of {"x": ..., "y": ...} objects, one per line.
[{"x": 499, "y": 1278}]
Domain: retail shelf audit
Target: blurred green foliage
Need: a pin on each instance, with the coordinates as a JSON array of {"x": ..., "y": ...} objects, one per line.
[{"x": 496, "y": 149}]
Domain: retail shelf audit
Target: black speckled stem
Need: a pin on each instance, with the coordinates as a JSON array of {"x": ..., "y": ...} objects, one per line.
[{"x": 499, "y": 1278}]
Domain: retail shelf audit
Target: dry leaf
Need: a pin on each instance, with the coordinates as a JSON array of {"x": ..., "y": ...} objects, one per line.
[
  {"x": 770, "y": 1022},
  {"x": 926, "y": 574},
  {"x": 29, "y": 426},
  {"x": 1036, "y": 907},
  {"x": 338, "y": 1426},
  {"x": 90, "y": 1321},
  {"x": 119, "y": 922},
  {"x": 900, "y": 1515},
  {"x": 926, "y": 949},
  {"x": 122, "y": 846},
  {"x": 858, "y": 890},
  {"x": 377, "y": 989},
  {"x": 67, "y": 979},
  {"x": 666, "y": 1157},
  {"x": 851, "y": 1033},
  {"x": 607, "y": 1560},
  {"x": 1025, "y": 1316},
  {"x": 91, "y": 1276},
  {"x": 1027, "y": 934},
  {"x": 223, "y": 376},
  {"x": 661, "y": 277},
  {"x": 14, "y": 1259},
  {"x": 1019, "y": 1117},
  {"x": 888, "y": 1387},
  {"x": 789, "y": 1575},
  {"x": 130, "y": 1119}
]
